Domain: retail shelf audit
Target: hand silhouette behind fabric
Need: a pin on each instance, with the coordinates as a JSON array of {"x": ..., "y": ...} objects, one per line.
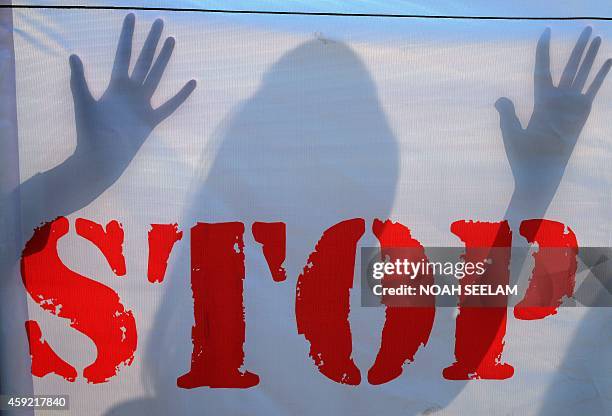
[
  {"x": 539, "y": 153},
  {"x": 110, "y": 130},
  {"x": 538, "y": 156}
]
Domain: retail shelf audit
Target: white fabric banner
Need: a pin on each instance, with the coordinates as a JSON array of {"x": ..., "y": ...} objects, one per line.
[{"x": 309, "y": 121}]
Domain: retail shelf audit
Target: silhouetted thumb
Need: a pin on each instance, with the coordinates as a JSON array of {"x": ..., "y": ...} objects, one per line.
[
  {"x": 78, "y": 84},
  {"x": 507, "y": 115}
]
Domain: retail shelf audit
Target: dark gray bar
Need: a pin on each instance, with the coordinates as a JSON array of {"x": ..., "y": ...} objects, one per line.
[
  {"x": 567, "y": 276},
  {"x": 34, "y": 402}
]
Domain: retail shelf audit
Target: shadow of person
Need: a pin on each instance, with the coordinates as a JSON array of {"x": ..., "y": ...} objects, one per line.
[{"x": 311, "y": 147}]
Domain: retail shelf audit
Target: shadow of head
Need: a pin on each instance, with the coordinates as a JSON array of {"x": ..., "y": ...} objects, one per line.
[{"x": 313, "y": 139}]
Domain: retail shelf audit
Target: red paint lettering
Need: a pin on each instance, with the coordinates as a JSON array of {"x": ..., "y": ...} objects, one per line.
[
  {"x": 407, "y": 327},
  {"x": 554, "y": 273},
  {"x": 480, "y": 330},
  {"x": 322, "y": 301},
  {"x": 109, "y": 241},
  {"x": 92, "y": 308},
  {"x": 217, "y": 282},
  {"x": 272, "y": 237},
  {"x": 162, "y": 238}
]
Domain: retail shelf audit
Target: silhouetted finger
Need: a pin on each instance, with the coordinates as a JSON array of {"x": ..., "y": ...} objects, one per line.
[
  {"x": 508, "y": 121},
  {"x": 175, "y": 102},
  {"x": 78, "y": 84},
  {"x": 542, "y": 77},
  {"x": 599, "y": 79},
  {"x": 159, "y": 67},
  {"x": 587, "y": 64},
  {"x": 574, "y": 60},
  {"x": 143, "y": 64},
  {"x": 124, "y": 48}
]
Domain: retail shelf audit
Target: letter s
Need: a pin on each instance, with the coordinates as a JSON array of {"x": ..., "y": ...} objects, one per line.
[{"x": 92, "y": 308}]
